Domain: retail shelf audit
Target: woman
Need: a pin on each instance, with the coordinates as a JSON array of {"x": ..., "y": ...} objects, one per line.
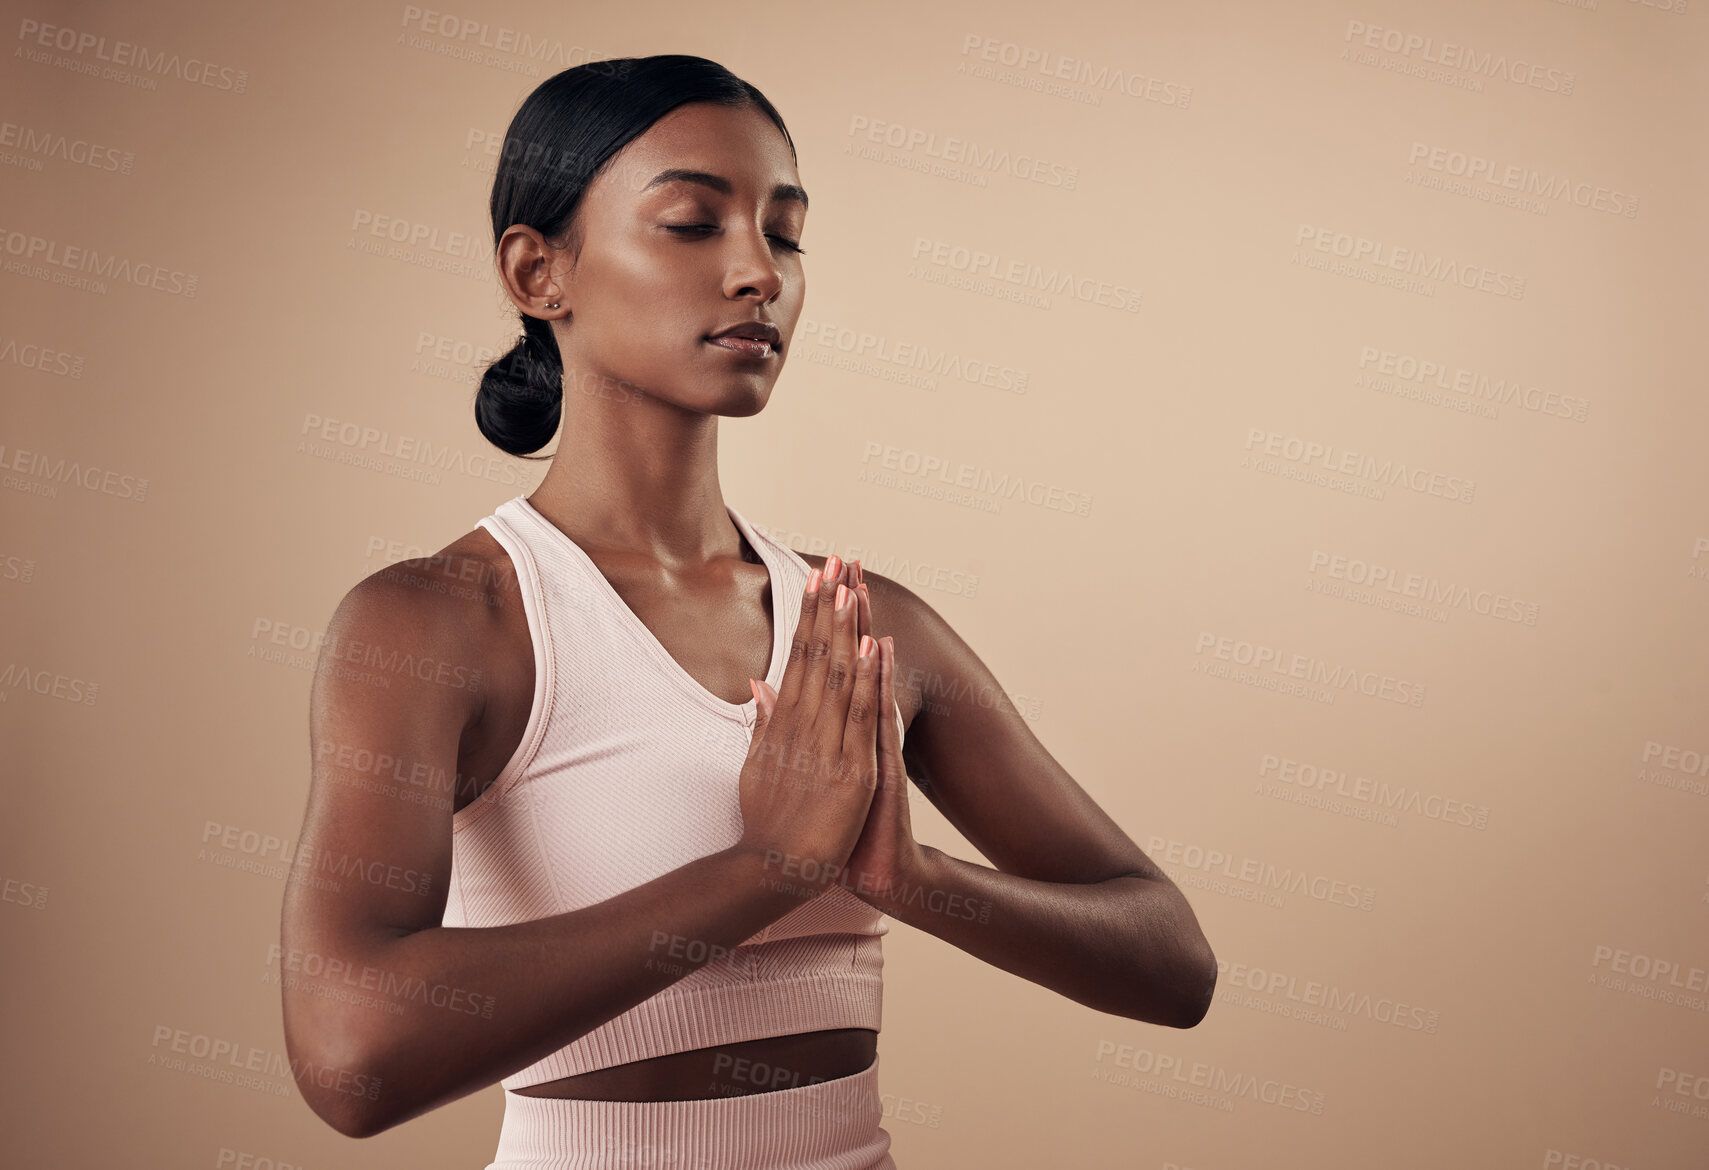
[{"x": 649, "y": 906}]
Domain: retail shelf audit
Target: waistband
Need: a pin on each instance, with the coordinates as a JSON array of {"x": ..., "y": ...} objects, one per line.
[{"x": 830, "y": 1125}]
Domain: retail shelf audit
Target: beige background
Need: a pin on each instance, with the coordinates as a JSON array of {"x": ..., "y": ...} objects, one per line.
[{"x": 150, "y": 716}]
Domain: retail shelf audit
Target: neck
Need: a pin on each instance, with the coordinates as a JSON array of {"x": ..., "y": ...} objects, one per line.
[{"x": 638, "y": 475}]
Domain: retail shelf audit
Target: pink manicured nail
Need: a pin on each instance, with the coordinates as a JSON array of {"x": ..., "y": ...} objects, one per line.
[
  {"x": 833, "y": 565},
  {"x": 813, "y": 581},
  {"x": 842, "y": 597}
]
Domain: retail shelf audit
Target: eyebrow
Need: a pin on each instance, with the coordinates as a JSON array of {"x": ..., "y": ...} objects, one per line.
[{"x": 722, "y": 185}]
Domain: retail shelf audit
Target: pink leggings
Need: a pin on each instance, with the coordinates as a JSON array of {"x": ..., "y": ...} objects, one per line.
[{"x": 831, "y": 1125}]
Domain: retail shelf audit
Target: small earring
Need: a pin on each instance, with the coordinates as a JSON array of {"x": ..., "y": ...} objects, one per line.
[{"x": 553, "y": 305}]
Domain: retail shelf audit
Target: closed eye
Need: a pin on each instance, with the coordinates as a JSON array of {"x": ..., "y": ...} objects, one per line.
[{"x": 710, "y": 227}]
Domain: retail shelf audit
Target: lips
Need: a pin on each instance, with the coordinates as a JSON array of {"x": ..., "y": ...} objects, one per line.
[
  {"x": 751, "y": 338},
  {"x": 746, "y": 346}
]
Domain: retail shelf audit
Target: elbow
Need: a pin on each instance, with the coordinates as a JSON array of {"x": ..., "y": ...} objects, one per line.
[
  {"x": 1182, "y": 986},
  {"x": 353, "y": 1119},
  {"x": 339, "y": 1091},
  {"x": 1197, "y": 986},
  {"x": 350, "y": 1113},
  {"x": 1195, "y": 971}
]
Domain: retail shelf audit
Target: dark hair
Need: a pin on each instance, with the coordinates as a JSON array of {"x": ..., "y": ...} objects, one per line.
[{"x": 563, "y": 134}]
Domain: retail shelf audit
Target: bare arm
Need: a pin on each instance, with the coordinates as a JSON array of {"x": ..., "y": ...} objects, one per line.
[
  {"x": 387, "y": 1013},
  {"x": 1128, "y": 945},
  {"x": 1072, "y": 904}
]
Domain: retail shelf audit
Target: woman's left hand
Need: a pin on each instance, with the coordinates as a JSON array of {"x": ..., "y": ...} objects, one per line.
[{"x": 886, "y": 858}]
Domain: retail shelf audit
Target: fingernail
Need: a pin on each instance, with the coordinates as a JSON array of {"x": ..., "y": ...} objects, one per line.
[
  {"x": 833, "y": 565},
  {"x": 842, "y": 597},
  {"x": 867, "y": 645},
  {"x": 813, "y": 581}
]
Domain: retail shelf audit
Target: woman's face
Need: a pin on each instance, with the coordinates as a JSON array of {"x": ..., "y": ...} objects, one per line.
[{"x": 665, "y": 262}]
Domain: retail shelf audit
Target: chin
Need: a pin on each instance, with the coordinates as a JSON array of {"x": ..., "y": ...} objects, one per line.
[{"x": 744, "y": 405}]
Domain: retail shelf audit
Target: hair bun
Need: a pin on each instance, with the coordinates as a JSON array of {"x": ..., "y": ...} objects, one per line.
[{"x": 522, "y": 393}]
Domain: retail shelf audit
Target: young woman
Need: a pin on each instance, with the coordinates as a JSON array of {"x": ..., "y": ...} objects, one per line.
[{"x": 614, "y": 787}]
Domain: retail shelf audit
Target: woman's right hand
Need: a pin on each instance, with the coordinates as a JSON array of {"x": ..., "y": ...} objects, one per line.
[{"x": 812, "y": 765}]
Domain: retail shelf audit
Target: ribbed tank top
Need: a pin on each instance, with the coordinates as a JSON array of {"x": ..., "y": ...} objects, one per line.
[{"x": 629, "y": 768}]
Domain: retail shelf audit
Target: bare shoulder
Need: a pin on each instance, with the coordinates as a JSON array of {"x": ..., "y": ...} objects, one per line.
[{"x": 455, "y": 612}]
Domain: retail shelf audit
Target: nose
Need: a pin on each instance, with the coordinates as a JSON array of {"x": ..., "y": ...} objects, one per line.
[{"x": 750, "y": 268}]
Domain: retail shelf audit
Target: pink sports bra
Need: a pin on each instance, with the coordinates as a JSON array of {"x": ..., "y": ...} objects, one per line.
[{"x": 628, "y": 768}]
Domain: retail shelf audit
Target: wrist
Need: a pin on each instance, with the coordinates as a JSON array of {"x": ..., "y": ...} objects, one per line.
[
  {"x": 917, "y": 872},
  {"x": 923, "y": 865}
]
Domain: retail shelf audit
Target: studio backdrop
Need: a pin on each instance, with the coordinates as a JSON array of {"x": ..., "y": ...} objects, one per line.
[{"x": 1298, "y": 406}]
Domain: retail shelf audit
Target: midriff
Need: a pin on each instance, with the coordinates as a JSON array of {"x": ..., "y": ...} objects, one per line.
[{"x": 765, "y": 1065}]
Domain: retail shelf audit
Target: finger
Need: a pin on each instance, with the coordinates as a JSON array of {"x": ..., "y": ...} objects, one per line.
[
  {"x": 890, "y": 725},
  {"x": 865, "y": 601},
  {"x": 809, "y": 616},
  {"x": 763, "y": 707},
  {"x": 817, "y": 648},
  {"x": 839, "y": 674},
  {"x": 859, "y": 754}
]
